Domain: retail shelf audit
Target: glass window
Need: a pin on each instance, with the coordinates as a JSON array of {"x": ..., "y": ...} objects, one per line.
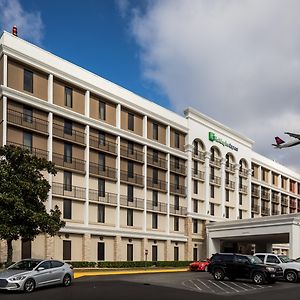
[
  {"x": 155, "y": 155},
  {"x": 101, "y": 187},
  {"x": 196, "y": 148},
  {"x": 101, "y": 159},
  {"x": 129, "y": 252},
  {"x": 67, "y": 209},
  {"x": 195, "y": 167},
  {"x": 154, "y": 198},
  {"x": 101, "y": 251},
  {"x": 176, "y": 181},
  {"x": 177, "y": 140},
  {"x": 227, "y": 212},
  {"x": 67, "y": 250},
  {"x": 130, "y": 167},
  {"x": 195, "y": 254},
  {"x": 212, "y": 191},
  {"x": 155, "y": 176},
  {"x": 67, "y": 152},
  {"x": 68, "y": 97},
  {"x": 195, "y": 226},
  {"x": 56, "y": 264},
  {"x": 195, "y": 206},
  {"x": 240, "y": 214},
  {"x": 154, "y": 220},
  {"x": 272, "y": 259},
  {"x": 130, "y": 192},
  {"x": 101, "y": 139},
  {"x": 129, "y": 217},
  {"x": 27, "y": 114},
  {"x": 176, "y": 223},
  {"x": 28, "y": 81},
  {"x": 68, "y": 127},
  {"x": 261, "y": 257},
  {"x": 130, "y": 121},
  {"x": 27, "y": 140},
  {"x": 101, "y": 213},
  {"x": 130, "y": 148},
  {"x": 67, "y": 181},
  {"x": 102, "y": 110},
  {"x": 176, "y": 202},
  {"x": 155, "y": 131},
  {"x": 212, "y": 209},
  {"x": 46, "y": 265},
  {"x": 154, "y": 252},
  {"x": 227, "y": 195},
  {"x": 241, "y": 199},
  {"x": 195, "y": 187},
  {"x": 176, "y": 253}
]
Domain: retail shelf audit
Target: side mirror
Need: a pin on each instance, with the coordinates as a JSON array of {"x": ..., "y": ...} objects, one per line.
[{"x": 40, "y": 268}]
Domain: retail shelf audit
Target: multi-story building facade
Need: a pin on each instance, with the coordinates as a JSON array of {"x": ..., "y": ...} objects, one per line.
[{"x": 132, "y": 175}]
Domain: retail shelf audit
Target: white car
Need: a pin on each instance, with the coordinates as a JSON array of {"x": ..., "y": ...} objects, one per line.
[{"x": 291, "y": 269}]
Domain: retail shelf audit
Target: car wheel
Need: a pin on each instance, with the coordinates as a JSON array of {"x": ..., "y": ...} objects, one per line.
[
  {"x": 206, "y": 269},
  {"x": 291, "y": 276},
  {"x": 218, "y": 274},
  {"x": 258, "y": 278},
  {"x": 67, "y": 280},
  {"x": 29, "y": 285}
]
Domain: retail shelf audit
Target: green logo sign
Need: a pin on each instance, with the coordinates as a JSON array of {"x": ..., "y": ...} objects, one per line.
[{"x": 213, "y": 138}]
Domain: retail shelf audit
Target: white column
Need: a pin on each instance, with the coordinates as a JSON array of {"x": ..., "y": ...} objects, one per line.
[
  {"x": 50, "y": 150},
  {"x": 249, "y": 173},
  {"x": 207, "y": 180},
  {"x": 87, "y": 104},
  {"x": 237, "y": 188},
  {"x": 223, "y": 177},
  {"x": 50, "y": 88},
  {"x": 118, "y": 167},
  {"x": 168, "y": 136},
  {"x": 168, "y": 193},
  {"x": 189, "y": 150},
  {"x": 118, "y": 116},
  {"x": 5, "y": 70},
  {"x": 294, "y": 239},
  {"x": 87, "y": 174},
  {"x": 4, "y": 122},
  {"x": 145, "y": 189}
]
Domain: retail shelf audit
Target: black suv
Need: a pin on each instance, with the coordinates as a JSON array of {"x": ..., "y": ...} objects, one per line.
[{"x": 242, "y": 266}]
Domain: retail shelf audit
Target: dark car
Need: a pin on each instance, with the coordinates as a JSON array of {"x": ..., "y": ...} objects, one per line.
[{"x": 244, "y": 267}]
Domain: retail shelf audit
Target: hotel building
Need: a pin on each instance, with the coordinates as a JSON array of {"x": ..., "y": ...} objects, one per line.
[{"x": 133, "y": 177}]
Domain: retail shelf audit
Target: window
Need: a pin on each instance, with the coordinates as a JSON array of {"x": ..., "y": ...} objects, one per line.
[
  {"x": 177, "y": 140},
  {"x": 129, "y": 252},
  {"x": 177, "y": 163},
  {"x": 196, "y": 148},
  {"x": 176, "y": 223},
  {"x": 67, "y": 153},
  {"x": 241, "y": 199},
  {"x": 195, "y": 206},
  {"x": 195, "y": 167},
  {"x": 27, "y": 114},
  {"x": 176, "y": 181},
  {"x": 66, "y": 250},
  {"x": 67, "y": 181},
  {"x": 102, "y": 110},
  {"x": 155, "y": 131},
  {"x": 129, "y": 217},
  {"x": 68, "y": 126},
  {"x": 28, "y": 81},
  {"x": 154, "y": 220},
  {"x": 240, "y": 214},
  {"x": 130, "y": 172},
  {"x": 101, "y": 187},
  {"x": 130, "y": 193},
  {"x": 176, "y": 253},
  {"x": 212, "y": 191},
  {"x": 155, "y": 155},
  {"x": 27, "y": 140},
  {"x": 261, "y": 257},
  {"x": 101, "y": 159},
  {"x": 101, "y": 213},
  {"x": 195, "y": 187},
  {"x": 272, "y": 259},
  {"x": 154, "y": 252},
  {"x": 101, "y": 251},
  {"x": 56, "y": 264},
  {"x": 101, "y": 139},
  {"x": 154, "y": 198},
  {"x": 195, "y": 226},
  {"x": 155, "y": 176},
  {"x": 227, "y": 212},
  {"x": 68, "y": 97},
  {"x": 176, "y": 202},
  {"x": 227, "y": 197},
  {"x": 130, "y": 121},
  {"x": 130, "y": 148},
  {"x": 212, "y": 209},
  {"x": 67, "y": 209},
  {"x": 195, "y": 254}
]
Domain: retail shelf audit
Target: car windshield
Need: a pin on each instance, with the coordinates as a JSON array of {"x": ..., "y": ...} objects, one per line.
[
  {"x": 284, "y": 258},
  {"x": 254, "y": 259},
  {"x": 27, "y": 265}
]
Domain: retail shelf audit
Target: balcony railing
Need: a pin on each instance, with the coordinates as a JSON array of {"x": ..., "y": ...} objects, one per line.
[
  {"x": 34, "y": 151},
  {"x": 161, "y": 207},
  {"x": 198, "y": 174},
  {"x": 215, "y": 180},
  {"x": 275, "y": 198},
  {"x": 68, "y": 162},
  {"x": 275, "y": 212},
  {"x": 68, "y": 134},
  {"x": 255, "y": 192},
  {"x": 104, "y": 145},
  {"x": 243, "y": 172},
  {"x": 177, "y": 210},
  {"x": 157, "y": 184},
  {"x": 27, "y": 121},
  {"x": 230, "y": 167},
  {"x": 230, "y": 184},
  {"x": 199, "y": 155},
  {"x": 177, "y": 167},
  {"x": 265, "y": 211},
  {"x": 68, "y": 190},
  {"x": 243, "y": 189},
  {"x": 177, "y": 189},
  {"x": 109, "y": 198},
  {"x": 132, "y": 202},
  {"x": 132, "y": 178},
  {"x": 265, "y": 195},
  {"x": 135, "y": 154},
  {"x": 293, "y": 204},
  {"x": 215, "y": 162},
  {"x": 255, "y": 208},
  {"x": 284, "y": 201},
  {"x": 103, "y": 171},
  {"x": 156, "y": 161}
]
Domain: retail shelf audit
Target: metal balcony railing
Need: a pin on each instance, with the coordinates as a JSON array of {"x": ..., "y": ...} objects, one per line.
[
  {"x": 178, "y": 210},
  {"x": 293, "y": 204},
  {"x": 275, "y": 198},
  {"x": 243, "y": 189},
  {"x": 132, "y": 202},
  {"x": 243, "y": 172},
  {"x": 265, "y": 195},
  {"x": 177, "y": 189},
  {"x": 230, "y": 184},
  {"x": 275, "y": 212},
  {"x": 198, "y": 174},
  {"x": 199, "y": 155},
  {"x": 27, "y": 121},
  {"x": 265, "y": 211},
  {"x": 34, "y": 151},
  {"x": 103, "y": 171},
  {"x": 156, "y": 161},
  {"x": 132, "y": 178},
  {"x": 157, "y": 184},
  {"x": 255, "y": 192},
  {"x": 104, "y": 145},
  {"x": 230, "y": 167},
  {"x": 161, "y": 207},
  {"x": 178, "y": 168},
  {"x": 132, "y": 153},
  {"x": 68, "y": 134},
  {"x": 284, "y": 201},
  {"x": 215, "y": 180},
  {"x": 68, "y": 190},
  {"x": 215, "y": 162},
  {"x": 96, "y": 195},
  {"x": 255, "y": 208},
  {"x": 68, "y": 162}
]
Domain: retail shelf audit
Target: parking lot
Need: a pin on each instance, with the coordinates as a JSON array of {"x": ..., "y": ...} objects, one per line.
[{"x": 186, "y": 285}]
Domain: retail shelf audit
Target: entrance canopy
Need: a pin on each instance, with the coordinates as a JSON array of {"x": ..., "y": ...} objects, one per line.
[{"x": 263, "y": 232}]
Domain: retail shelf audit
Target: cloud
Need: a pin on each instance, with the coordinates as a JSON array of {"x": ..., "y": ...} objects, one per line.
[
  {"x": 30, "y": 25},
  {"x": 123, "y": 7},
  {"x": 236, "y": 61}
]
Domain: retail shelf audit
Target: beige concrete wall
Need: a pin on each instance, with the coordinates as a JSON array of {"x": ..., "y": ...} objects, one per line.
[
  {"x": 181, "y": 225},
  {"x": 108, "y": 248},
  {"x": 137, "y": 219},
  {"x": 162, "y": 197},
  {"x": 137, "y": 168},
  {"x": 137, "y": 245},
  {"x": 76, "y": 246},
  {"x": 138, "y": 122},
  {"x": 15, "y": 79},
  {"x": 77, "y": 151},
  {"x": 161, "y": 131},
  {"x": 1, "y": 69},
  {"x": 110, "y": 161},
  {"x": 180, "y": 245},
  {"x": 110, "y": 215},
  {"x": 160, "y": 249},
  {"x": 59, "y": 96},
  {"x": 161, "y": 173},
  {"x": 162, "y": 222}
]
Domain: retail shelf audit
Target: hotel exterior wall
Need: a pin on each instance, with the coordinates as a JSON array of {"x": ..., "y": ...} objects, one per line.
[{"x": 1, "y": 70}]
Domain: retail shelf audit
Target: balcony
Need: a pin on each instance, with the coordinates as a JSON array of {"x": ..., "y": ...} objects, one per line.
[
  {"x": 255, "y": 192},
  {"x": 177, "y": 189},
  {"x": 265, "y": 211},
  {"x": 293, "y": 204},
  {"x": 230, "y": 184},
  {"x": 216, "y": 180},
  {"x": 243, "y": 172},
  {"x": 160, "y": 207},
  {"x": 103, "y": 171},
  {"x": 156, "y": 161},
  {"x": 216, "y": 162},
  {"x": 199, "y": 155},
  {"x": 243, "y": 189},
  {"x": 27, "y": 121},
  {"x": 255, "y": 208},
  {"x": 275, "y": 198},
  {"x": 156, "y": 184},
  {"x": 133, "y": 154},
  {"x": 107, "y": 198},
  {"x": 40, "y": 153},
  {"x": 230, "y": 167},
  {"x": 132, "y": 178},
  {"x": 177, "y": 168},
  {"x": 134, "y": 202},
  {"x": 68, "y": 162},
  {"x": 66, "y": 190},
  {"x": 284, "y": 201},
  {"x": 197, "y": 174},
  {"x": 103, "y": 145},
  {"x": 265, "y": 195},
  {"x": 68, "y": 134},
  {"x": 275, "y": 212},
  {"x": 178, "y": 210}
]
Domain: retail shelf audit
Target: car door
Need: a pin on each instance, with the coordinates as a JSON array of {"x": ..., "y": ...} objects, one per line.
[
  {"x": 242, "y": 266},
  {"x": 43, "y": 276},
  {"x": 58, "y": 270},
  {"x": 272, "y": 260}
]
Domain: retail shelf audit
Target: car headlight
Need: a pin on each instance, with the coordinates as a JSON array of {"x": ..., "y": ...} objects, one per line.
[
  {"x": 17, "y": 278},
  {"x": 270, "y": 269}
]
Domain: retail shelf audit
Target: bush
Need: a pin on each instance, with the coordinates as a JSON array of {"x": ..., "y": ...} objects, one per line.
[{"x": 83, "y": 264}]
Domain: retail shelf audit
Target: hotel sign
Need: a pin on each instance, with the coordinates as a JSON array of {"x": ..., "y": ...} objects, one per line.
[{"x": 213, "y": 138}]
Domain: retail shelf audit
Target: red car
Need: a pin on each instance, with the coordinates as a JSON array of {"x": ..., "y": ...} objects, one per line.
[{"x": 200, "y": 265}]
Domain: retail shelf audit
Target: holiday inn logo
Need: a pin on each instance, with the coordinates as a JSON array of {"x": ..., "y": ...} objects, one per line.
[{"x": 213, "y": 138}]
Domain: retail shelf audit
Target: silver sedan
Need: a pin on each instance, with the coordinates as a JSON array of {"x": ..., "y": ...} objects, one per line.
[{"x": 29, "y": 274}]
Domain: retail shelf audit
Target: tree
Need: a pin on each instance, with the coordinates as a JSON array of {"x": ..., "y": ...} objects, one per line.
[{"x": 23, "y": 191}]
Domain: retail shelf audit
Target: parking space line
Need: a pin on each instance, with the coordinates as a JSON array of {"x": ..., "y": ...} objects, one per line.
[
  {"x": 239, "y": 286},
  {"x": 218, "y": 286},
  {"x": 249, "y": 286},
  {"x": 195, "y": 285},
  {"x": 208, "y": 287},
  {"x": 230, "y": 287}
]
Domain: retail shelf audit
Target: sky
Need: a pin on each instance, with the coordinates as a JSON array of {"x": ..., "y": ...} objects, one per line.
[{"x": 237, "y": 61}]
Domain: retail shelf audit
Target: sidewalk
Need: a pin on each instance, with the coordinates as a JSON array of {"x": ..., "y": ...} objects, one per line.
[{"x": 102, "y": 272}]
